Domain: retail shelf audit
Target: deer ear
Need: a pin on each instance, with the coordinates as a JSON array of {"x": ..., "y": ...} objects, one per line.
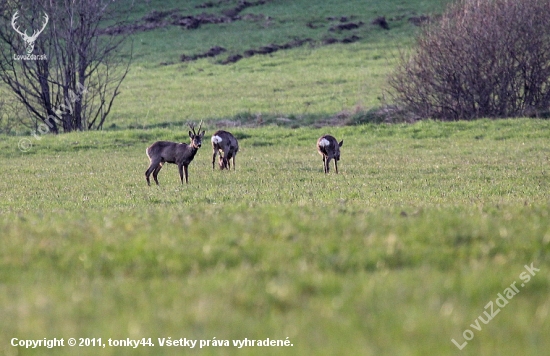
[
  {"x": 341, "y": 143},
  {"x": 190, "y": 134},
  {"x": 202, "y": 133}
]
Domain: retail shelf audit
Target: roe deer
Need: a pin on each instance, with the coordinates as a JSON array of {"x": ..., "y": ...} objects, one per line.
[
  {"x": 224, "y": 142},
  {"x": 329, "y": 148},
  {"x": 181, "y": 154}
]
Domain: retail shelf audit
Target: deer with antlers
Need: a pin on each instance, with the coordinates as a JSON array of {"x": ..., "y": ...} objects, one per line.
[
  {"x": 29, "y": 40},
  {"x": 224, "y": 142},
  {"x": 329, "y": 148},
  {"x": 181, "y": 154}
]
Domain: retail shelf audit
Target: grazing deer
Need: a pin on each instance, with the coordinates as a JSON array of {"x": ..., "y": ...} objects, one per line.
[
  {"x": 224, "y": 142},
  {"x": 181, "y": 154},
  {"x": 329, "y": 148}
]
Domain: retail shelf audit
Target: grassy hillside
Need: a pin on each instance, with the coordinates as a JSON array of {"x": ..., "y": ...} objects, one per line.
[
  {"x": 314, "y": 80},
  {"x": 275, "y": 21},
  {"x": 311, "y": 82}
]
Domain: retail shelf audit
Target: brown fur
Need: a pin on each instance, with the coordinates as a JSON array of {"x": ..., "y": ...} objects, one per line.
[
  {"x": 228, "y": 146},
  {"x": 181, "y": 154}
]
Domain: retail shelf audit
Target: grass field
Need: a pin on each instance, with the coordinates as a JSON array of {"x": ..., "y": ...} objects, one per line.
[
  {"x": 403, "y": 251},
  {"x": 312, "y": 81},
  {"x": 398, "y": 254}
]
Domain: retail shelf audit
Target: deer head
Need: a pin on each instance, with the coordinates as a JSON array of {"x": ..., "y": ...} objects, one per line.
[
  {"x": 196, "y": 136},
  {"x": 29, "y": 40}
]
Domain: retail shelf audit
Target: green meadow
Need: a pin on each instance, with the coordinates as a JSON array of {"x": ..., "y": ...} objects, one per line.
[
  {"x": 309, "y": 82},
  {"x": 423, "y": 237},
  {"x": 397, "y": 254}
]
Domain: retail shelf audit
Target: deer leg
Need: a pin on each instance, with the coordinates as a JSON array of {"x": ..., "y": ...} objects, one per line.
[
  {"x": 327, "y": 165},
  {"x": 186, "y": 171},
  {"x": 150, "y": 170},
  {"x": 226, "y": 158},
  {"x": 336, "y": 165},
  {"x": 213, "y": 158},
  {"x": 180, "y": 169},
  {"x": 228, "y": 161},
  {"x": 224, "y": 161},
  {"x": 156, "y": 173},
  {"x": 147, "y": 174},
  {"x": 220, "y": 159},
  {"x": 147, "y": 177},
  {"x": 234, "y": 161}
]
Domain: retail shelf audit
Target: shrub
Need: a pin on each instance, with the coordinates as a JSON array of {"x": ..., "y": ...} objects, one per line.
[{"x": 482, "y": 58}]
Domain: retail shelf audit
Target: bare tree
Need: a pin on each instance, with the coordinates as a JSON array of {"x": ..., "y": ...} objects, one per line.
[
  {"x": 481, "y": 59},
  {"x": 66, "y": 74},
  {"x": 12, "y": 116}
]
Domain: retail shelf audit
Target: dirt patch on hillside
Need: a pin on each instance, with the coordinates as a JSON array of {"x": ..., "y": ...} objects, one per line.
[
  {"x": 232, "y": 59},
  {"x": 210, "y": 4},
  {"x": 332, "y": 40},
  {"x": 212, "y": 52},
  {"x": 151, "y": 21},
  {"x": 336, "y": 26},
  {"x": 270, "y": 48},
  {"x": 158, "y": 16},
  {"x": 346, "y": 26},
  {"x": 158, "y": 19},
  {"x": 191, "y": 22},
  {"x": 243, "y": 4},
  {"x": 274, "y": 47},
  {"x": 381, "y": 21}
]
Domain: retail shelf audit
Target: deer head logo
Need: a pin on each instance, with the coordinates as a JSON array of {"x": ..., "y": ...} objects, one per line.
[{"x": 29, "y": 40}]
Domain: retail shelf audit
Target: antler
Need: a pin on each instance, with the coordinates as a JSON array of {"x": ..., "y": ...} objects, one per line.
[
  {"x": 192, "y": 126},
  {"x": 24, "y": 34},
  {"x": 13, "y": 24},
  {"x": 200, "y": 126},
  {"x": 36, "y": 33}
]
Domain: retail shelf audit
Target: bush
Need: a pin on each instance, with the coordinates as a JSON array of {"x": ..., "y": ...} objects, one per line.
[{"x": 486, "y": 58}]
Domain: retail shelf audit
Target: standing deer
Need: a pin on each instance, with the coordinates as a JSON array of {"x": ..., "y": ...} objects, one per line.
[
  {"x": 224, "y": 142},
  {"x": 329, "y": 148},
  {"x": 181, "y": 154}
]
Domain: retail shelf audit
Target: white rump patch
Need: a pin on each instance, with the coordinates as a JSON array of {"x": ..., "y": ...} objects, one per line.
[
  {"x": 324, "y": 142},
  {"x": 216, "y": 139}
]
